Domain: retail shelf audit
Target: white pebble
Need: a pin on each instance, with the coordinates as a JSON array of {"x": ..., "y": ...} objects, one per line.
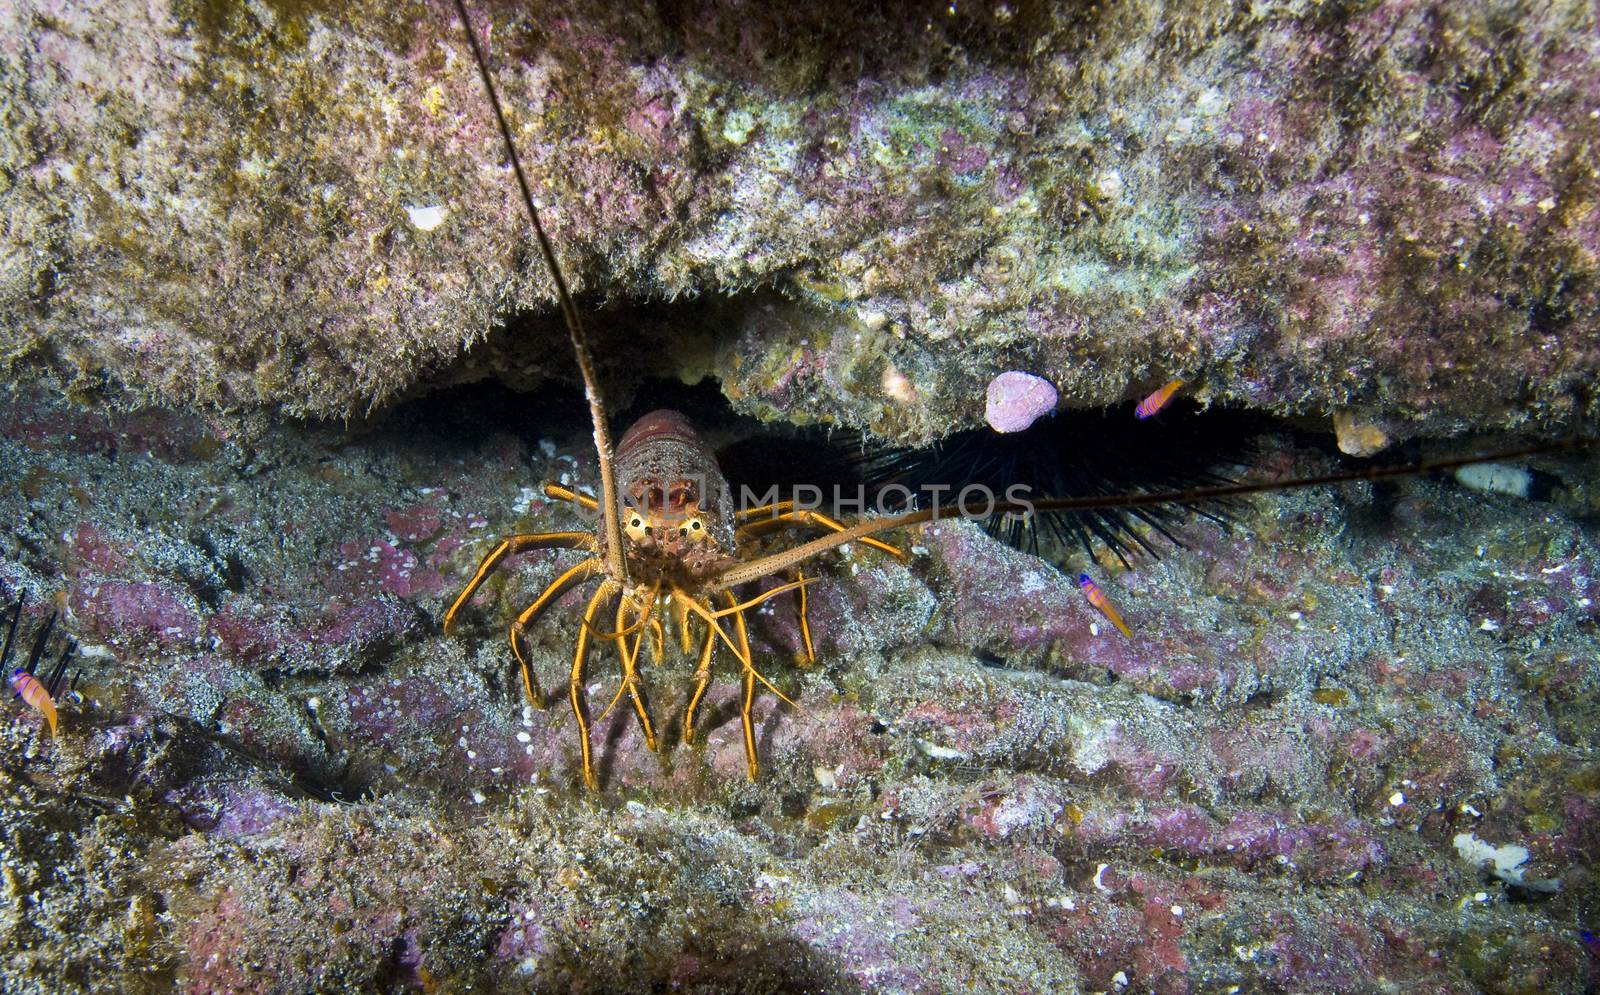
[
  {"x": 426, "y": 218},
  {"x": 1098, "y": 884},
  {"x": 1495, "y": 478}
]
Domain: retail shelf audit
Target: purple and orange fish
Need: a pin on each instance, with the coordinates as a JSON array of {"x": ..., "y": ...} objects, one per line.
[
  {"x": 1156, "y": 401},
  {"x": 1098, "y": 598},
  {"x": 39, "y": 694}
]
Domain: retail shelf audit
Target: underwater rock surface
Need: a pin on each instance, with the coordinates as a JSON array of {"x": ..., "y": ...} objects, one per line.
[
  {"x": 283, "y": 778},
  {"x": 1350, "y": 746},
  {"x": 1385, "y": 210}
]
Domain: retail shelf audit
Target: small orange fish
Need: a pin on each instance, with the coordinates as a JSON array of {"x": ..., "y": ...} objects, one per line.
[
  {"x": 33, "y": 692},
  {"x": 1156, "y": 401},
  {"x": 1098, "y": 598},
  {"x": 39, "y": 694}
]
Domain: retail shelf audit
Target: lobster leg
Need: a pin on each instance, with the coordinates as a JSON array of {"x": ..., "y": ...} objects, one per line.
[
  {"x": 630, "y": 673},
  {"x": 805, "y": 618},
  {"x": 773, "y": 510},
  {"x": 628, "y": 655},
  {"x": 658, "y": 640},
  {"x": 680, "y": 618},
  {"x": 734, "y": 608},
  {"x": 702, "y": 680},
  {"x": 747, "y": 696},
  {"x": 556, "y": 492},
  {"x": 561, "y": 585},
  {"x": 605, "y": 592},
  {"x": 679, "y": 597},
  {"x": 800, "y": 517},
  {"x": 739, "y": 606},
  {"x": 510, "y": 547}
]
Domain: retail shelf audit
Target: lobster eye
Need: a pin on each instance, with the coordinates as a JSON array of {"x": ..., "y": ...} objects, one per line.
[{"x": 637, "y": 529}]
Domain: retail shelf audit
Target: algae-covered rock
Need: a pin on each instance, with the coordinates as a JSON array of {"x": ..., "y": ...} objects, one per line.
[
  {"x": 1386, "y": 207},
  {"x": 277, "y": 774}
]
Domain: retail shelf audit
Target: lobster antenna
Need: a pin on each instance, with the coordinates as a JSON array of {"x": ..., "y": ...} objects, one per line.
[{"x": 616, "y": 565}]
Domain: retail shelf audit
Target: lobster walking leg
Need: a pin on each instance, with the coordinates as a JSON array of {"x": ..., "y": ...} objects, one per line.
[
  {"x": 562, "y": 584},
  {"x": 602, "y": 594},
  {"x": 630, "y": 673},
  {"x": 510, "y": 547},
  {"x": 757, "y": 524},
  {"x": 702, "y": 680},
  {"x": 747, "y": 696},
  {"x": 558, "y": 493},
  {"x": 805, "y": 618}
]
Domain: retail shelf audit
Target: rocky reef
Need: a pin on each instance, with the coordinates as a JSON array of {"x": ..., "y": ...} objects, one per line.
[
  {"x": 1383, "y": 211},
  {"x": 277, "y": 775},
  {"x": 280, "y": 365}
]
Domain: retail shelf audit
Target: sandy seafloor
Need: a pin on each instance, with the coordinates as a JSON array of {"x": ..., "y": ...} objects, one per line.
[{"x": 279, "y": 775}]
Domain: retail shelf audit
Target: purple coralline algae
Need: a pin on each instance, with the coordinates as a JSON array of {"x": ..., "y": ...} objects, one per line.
[{"x": 1016, "y": 400}]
